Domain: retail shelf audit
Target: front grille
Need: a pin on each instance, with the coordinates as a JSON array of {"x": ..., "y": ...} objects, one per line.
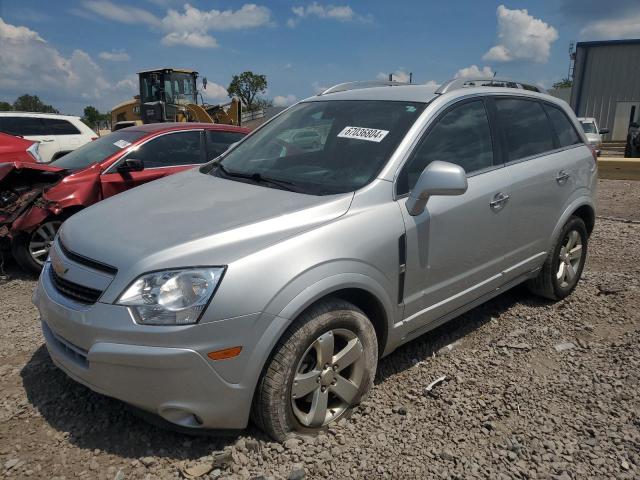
[
  {"x": 103, "y": 267},
  {"x": 74, "y": 291}
]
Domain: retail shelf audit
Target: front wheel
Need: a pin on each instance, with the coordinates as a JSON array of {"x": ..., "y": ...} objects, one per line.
[
  {"x": 563, "y": 268},
  {"x": 322, "y": 367},
  {"x": 31, "y": 249}
]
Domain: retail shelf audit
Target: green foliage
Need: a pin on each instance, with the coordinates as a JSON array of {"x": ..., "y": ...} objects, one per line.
[
  {"x": 564, "y": 83},
  {"x": 31, "y": 103},
  {"x": 247, "y": 86},
  {"x": 91, "y": 116},
  {"x": 5, "y": 107}
]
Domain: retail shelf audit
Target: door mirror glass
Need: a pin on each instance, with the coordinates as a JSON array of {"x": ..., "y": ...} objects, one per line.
[
  {"x": 438, "y": 178},
  {"x": 131, "y": 165},
  {"x": 604, "y": 131}
]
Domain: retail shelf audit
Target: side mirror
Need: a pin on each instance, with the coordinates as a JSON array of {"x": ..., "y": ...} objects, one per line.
[
  {"x": 131, "y": 165},
  {"x": 603, "y": 131},
  {"x": 438, "y": 178}
]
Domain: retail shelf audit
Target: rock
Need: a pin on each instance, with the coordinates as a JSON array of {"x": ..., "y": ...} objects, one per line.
[
  {"x": 291, "y": 443},
  {"x": 611, "y": 289},
  {"x": 446, "y": 350},
  {"x": 297, "y": 473},
  {"x": 222, "y": 459},
  {"x": 148, "y": 461},
  {"x": 625, "y": 465},
  {"x": 197, "y": 470},
  {"x": 561, "y": 347},
  {"x": 447, "y": 455},
  {"x": 9, "y": 464},
  {"x": 119, "y": 475},
  {"x": 252, "y": 445}
]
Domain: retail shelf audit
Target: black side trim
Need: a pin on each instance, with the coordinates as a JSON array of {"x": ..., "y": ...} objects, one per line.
[
  {"x": 87, "y": 261},
  {"x": 74, "y": 291},
  {"x": 402, "y": 265}
]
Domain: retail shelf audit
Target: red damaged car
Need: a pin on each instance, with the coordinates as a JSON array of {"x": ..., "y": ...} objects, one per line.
[{"x": 35, "y": 199}]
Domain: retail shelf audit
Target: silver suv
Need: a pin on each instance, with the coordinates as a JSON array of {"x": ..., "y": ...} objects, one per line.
[{"x": 267, "y": 283}]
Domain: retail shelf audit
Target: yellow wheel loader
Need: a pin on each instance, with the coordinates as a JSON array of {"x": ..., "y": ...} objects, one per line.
[{"x": 171, "y": 95}]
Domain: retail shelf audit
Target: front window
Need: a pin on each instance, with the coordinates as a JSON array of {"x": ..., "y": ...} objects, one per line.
[
  {"x": 588, "y": 127},
  {"x": 173, "y": 88},
  {"x": 322, "y": 147},
  {"x": 98, "y": 150}
]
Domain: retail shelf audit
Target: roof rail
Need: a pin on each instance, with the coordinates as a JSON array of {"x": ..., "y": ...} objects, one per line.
[
  {"x": 343, "y": 87},
  {"x": 457, "y": 83}
]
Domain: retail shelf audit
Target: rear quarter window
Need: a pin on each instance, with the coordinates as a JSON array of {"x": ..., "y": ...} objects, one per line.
[
  {"x": 563, "y": 127},
  {"x": 55, "y": 126},
  {"x": 525, "y": 126}
]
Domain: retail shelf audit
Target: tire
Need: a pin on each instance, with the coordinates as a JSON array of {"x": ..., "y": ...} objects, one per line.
[
  {"x": 22, "y": 245},
  {"x": 557, "y": 279},
  {"x": 282, "y": 411}
]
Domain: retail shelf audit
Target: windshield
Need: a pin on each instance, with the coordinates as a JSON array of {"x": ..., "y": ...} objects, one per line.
[
  {"x": 588, "y": 127},
  {"x": 98, "y": 150},
  {"x": 323, "y": 147}
]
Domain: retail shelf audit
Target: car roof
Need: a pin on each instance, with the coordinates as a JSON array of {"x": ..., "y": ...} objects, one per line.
[
  {"x": 402, "y": 93},
  {"x": 176, "y": 126},
  {"x": 12, "y": 113}
]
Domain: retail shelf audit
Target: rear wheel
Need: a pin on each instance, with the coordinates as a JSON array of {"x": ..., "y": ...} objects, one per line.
[
  {"x": 322, "y": 367},
  {"x": 563, "y": 268},
  {"x": 30, "y": 250}
]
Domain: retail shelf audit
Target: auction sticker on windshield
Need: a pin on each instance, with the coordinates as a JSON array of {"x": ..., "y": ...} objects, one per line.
[
  {"x": 122, "y": 143},
  {"x": 362, "y": 133}
]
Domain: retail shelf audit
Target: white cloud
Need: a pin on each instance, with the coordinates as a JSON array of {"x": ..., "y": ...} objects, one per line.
[
  {"x": 114, "y": 56},
  {"x": 191, "y": 26},
  {"x": 398, "y": 76},
  {"x": 121, "y": 13},
  {"x": 284, "y": 101},
  {"x": 341, "y": 13},
  {"x": 610, "y": 29},
  {"x": 30, "y": 64},
  {"x": 474, "y": 71},
  {"x": 215, "y": 93},
  {"x": 288, "y": 66},
  {"x": 521, "y": 37}
]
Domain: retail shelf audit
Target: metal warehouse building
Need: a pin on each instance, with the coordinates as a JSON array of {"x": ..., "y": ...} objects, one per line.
[{"x": 606, "y": 84}]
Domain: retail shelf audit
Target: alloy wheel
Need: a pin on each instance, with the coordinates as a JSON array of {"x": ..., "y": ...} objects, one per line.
[
  {"x": 328, "y": 378},
  {"x": 42, "y": 239},
  {"x": 570, "y": 258}
]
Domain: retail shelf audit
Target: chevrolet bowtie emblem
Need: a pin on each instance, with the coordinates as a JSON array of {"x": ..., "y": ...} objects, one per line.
[{"x": 58, "y": 266}]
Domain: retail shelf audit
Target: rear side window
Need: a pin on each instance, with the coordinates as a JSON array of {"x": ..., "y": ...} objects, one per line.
[
  {"x": 23, "y": 126},
  {"x": 218, "y": 142},
  {"x": 461, "y": 136},
  {"x": 172, "y": 149},
  {"x": 55, "y": 126},
  {"x": 565, "y": 132},
  {"x": 526, "y": 127}
]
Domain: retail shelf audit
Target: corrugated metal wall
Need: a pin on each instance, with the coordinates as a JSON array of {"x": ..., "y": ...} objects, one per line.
[{"x": 604, "y": 75}]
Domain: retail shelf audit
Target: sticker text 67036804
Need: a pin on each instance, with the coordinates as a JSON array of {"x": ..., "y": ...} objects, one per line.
[{"x": 362, "y": 133}]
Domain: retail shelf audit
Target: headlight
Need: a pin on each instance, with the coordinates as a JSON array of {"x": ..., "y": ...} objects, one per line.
[{"x": 171, "y": 297}]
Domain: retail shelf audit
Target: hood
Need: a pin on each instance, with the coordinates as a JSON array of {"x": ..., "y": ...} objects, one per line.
[
  {"x": 193, "y": 218},
  {"x": 7, "y": 168}
]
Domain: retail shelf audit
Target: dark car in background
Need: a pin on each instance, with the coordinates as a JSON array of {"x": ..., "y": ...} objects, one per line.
[{"x": 35, "y": 199}]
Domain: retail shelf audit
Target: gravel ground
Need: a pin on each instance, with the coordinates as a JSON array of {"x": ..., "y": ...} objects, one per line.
[{"x": 532, "y": 390}]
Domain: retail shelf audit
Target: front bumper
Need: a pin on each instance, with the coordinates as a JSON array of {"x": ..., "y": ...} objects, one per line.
[{"x": 163, "y": 370}]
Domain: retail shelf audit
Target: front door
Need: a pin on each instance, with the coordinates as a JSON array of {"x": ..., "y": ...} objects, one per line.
[
  {"x": 162, "y": 155},
  {"x": 455, "y": 247}
]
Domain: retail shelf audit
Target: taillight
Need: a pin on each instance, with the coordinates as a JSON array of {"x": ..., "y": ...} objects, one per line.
[
  {"x": 94, "y": 138},
  {"x": 594, "y": 154},
  {"x": 34, "y": 152}
]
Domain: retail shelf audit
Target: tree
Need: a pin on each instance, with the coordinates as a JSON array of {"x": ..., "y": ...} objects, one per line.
[
  {"x": 31, "y": 103},
  {"x": 246, "y": 86},
  {"x": 92, "y": 116},
  {"x": 564, "y": 83},
  {"x": 5, "y": 107}
]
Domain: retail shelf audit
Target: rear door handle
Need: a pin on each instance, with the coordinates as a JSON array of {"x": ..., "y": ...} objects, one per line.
[
  {"x": 499, "y": 200},
  {"x": 562, "y": 177},
  {"x": 46, "y": 140}
]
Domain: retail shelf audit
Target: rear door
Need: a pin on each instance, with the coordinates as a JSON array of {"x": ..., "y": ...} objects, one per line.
[
  {"x": 544, "y": 154},
  {"x": 32, "y": 128},
  {"x": 67, "y": 135},
  {"x": 455, "y": 247},
  {"x": 162, "y": 155}
]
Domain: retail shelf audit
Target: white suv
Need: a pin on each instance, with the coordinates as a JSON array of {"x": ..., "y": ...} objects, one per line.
[{"x": 57, "y": 134}]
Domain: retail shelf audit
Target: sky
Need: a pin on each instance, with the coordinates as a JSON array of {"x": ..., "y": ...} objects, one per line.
[{"x": 74, "y": 53}]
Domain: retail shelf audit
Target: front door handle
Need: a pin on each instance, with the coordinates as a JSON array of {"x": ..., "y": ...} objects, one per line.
[
  {"x": 499, "y": 200},
  {"x": 46, "y": 140},
  {"x": 562, "y": 177}
]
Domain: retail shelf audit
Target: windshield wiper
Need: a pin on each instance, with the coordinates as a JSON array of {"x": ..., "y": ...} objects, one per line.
[{"x": 259, "y": 178}]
